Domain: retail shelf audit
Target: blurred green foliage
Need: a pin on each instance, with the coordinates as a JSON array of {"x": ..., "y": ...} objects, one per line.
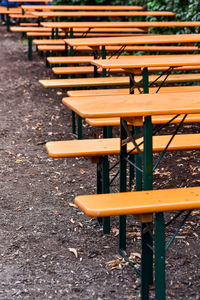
[{"x": 186, "y": 10}]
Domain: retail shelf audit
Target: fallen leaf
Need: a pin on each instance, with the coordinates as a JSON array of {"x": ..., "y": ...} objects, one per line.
[
  {"x": 82, "y": 171},
  {"x": 178, "y": 286},
  {"x": 115, "y": 231},
  {"x": 115, "y": 264},
  {"x": 17, "y": 159},
  {"x": 8, "y": 151},
  {"x": 71, "y": 204},
  {"x": 73, "y": 250},
  {"x": 34, "y": 174},
  {"x": 193, "y": 168},
  {"x": 18, "y": 208},
  {"x": 56, "y": 212}
]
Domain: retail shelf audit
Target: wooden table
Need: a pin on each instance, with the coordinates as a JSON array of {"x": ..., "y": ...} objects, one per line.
[
  {"x": 139, "y": 109},
  {"x": 96, "y": 43},
  {"x": 66, "y": 26},
  {"x": 140, "y": 64},
  {"x": 82, "y": 7},
  {"x": 135, "y": 40},
  {"x": 90, "y": 26},
  {"x": 104, "y": 14}
]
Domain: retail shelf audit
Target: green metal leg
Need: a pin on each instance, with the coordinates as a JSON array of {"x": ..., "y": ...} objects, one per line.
[
  {"x": 71, "y": 51},
  {"x": 52, "y": 33},
  {"x": 160, "y": 257},
  {"x": 148, "y": 155},
  {"x": 79, "y": 127},
  {"x": 107, "y": 131},
  {"x": 57, "y": 35},
  {"x": 103, "y": 55},
  {"x": 145, "y": 80},
  {"x": 138, "y": 162},
  {"x": 148, "y": 182},
  {"x": 30, "y": 56},
  {"x": 73, "y": 122},
  {"x": 8, "y": 23},
  {"x": 105, "y": 189},
  {"x": 66, "y": 50},
  {"x": 145, "y": 265},
  {"x": 99, "y": 184},
  {"x": 123, "y": 154}
]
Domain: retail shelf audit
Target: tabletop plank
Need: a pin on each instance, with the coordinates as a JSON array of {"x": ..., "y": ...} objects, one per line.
[
  {"x": 82, "y": 7},
  {"x": 104, "y": 14},
  {"x": 134, "y": 105},
  {"x": 145, "y": 39},
  {"x": 120, "y": 24},
  {"x": 129, "y": 62}
]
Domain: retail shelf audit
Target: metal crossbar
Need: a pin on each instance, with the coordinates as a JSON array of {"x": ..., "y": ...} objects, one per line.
[
  {"x": 178, "y": 229},
  {"x": 167, "y": 72},
  {"x": 172, "y": 137},
  {"x": 131, "y": 138},
  {"x": 117, "y": 52}
]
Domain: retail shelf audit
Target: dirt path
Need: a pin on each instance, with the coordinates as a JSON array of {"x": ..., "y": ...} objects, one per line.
[{"x": 38, "y": 223}]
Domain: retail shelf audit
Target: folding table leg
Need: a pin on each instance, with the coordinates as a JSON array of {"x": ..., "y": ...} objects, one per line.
[
  {"x": 105, "y": 189},
  {"x": 123, "y": 154},
  {"x": 79, "y": 127},
  {"x": 160, "y": 257},
  {"x": 146, "y": 265},
  {"x": 148, "y": 183},
  {"x": 30, "y": 56}
]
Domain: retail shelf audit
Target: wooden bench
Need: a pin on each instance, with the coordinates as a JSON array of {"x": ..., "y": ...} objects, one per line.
[
  {"x": 98, "y": 150},
  {"x": 124, "y": 91},
  {"x": 144, "y": 204},
  {"x": 30, "y": 35},
  {"x": 87, "y": 59},
  {"x": 22, "y": 16},
  {"x": 102, "y": 122},
  {"x": 62, "y": 48},
  {"x": 29, "y": 28},
  {"x": 90, "y": 70},
  {"x": 5, "y": 10},
  {"x": 104, "y": 147},
  {"x": 28, "y": 24},
  {"x": 139, "y": 203},
  {"x": 113, "y": 81}
]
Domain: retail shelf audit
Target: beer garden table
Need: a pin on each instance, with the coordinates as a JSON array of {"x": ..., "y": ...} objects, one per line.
[
  {"x": 52, "y": 14},
  {"x": 134, "y": 109},
  {"x": 83, "y": 7}
]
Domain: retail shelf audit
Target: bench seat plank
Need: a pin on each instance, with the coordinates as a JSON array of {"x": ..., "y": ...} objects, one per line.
[
  {"x": 21, "y": 16},
  {"x": 87, "y": 59},
  {"x": 128, "y": 48},
  {"x": 191, "y": 118},
  {"x": 111, "y": 146},
  {"x": 142, "y": 202},
  {"x": 43, "y": 34},
  {"x": 109, "y": 81},
  {"x": 102, "y": 92},
  {"x": 29, "y": 24}
]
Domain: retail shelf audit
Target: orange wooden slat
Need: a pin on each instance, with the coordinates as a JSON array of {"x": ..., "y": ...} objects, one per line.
[
  {"x": 142, "y": 202},
  {"x": 135, "y": 105}
]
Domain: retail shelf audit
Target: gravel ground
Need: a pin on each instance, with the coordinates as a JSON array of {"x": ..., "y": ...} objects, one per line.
[{"x": 48, "y": 248}]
